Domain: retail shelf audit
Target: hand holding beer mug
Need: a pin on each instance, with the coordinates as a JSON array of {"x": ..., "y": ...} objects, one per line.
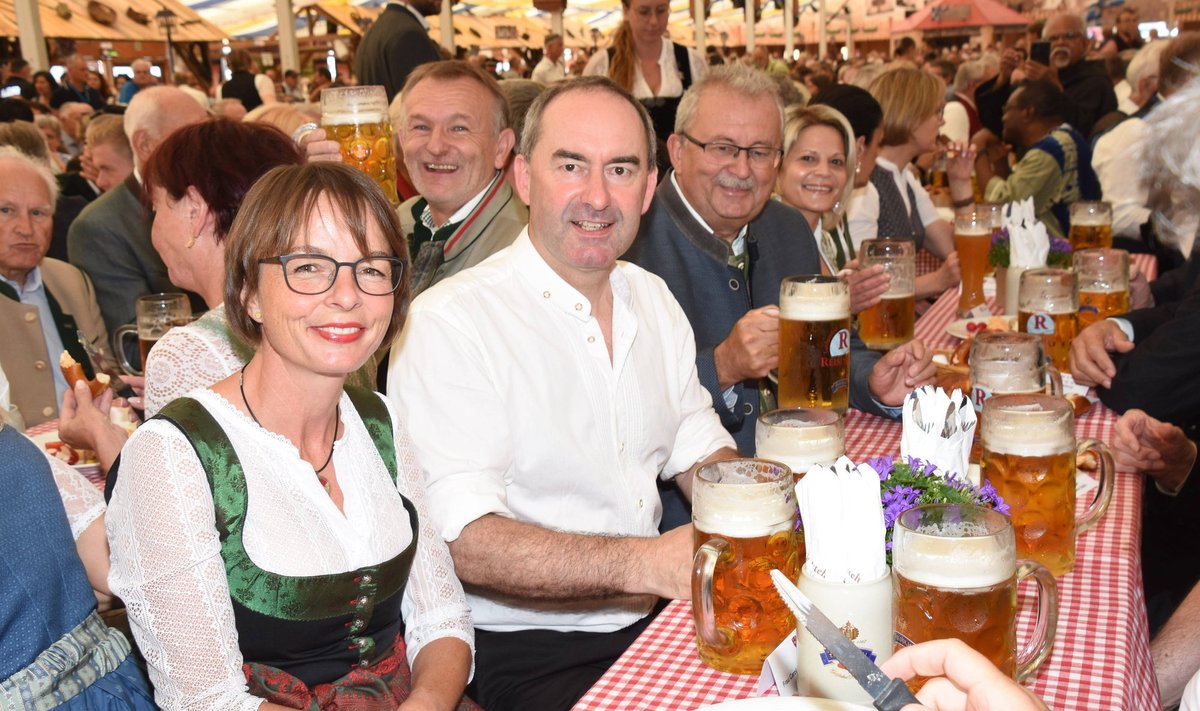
[
  {"x": 1103, "y": 276},
  {"x": 1029, "y": 455},
  {"x": 1091, "y": 225},
  {"x": 800, "y": 438},
  {"x": 744, "y": 516},
  {"x": 1007, "y": 363},
  {"x": 357, "y": 118},
  {"x": 156, "y": 314},
  {"x": 889, "y": 323},
  {"x": 972, "y": 241},
  {"x": 1047, "y": 306},
  {"x": 814, "y": 342},
  {"x": 955, "y": 573}
]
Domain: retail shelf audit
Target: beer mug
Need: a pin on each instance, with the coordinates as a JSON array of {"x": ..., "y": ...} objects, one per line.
[
  {"x": 357, "y": 118},
  {"x": 156, "y": 314},
  {"x": 1029, "y": 454},
  {"x": 890, "y": 322},
  {"x": 814, "y": 342},
  {"x": 972, "y": 241},
  {"x": 1007, "y": 363},
  {"x": 1103, "y": 276},
  {"x": 744, "y": 516},
  {"x": 955, "y": 573},
  {"x": 938, "y": 175},
  {"x": 800, "y": 438},
  {"x": 994, "y": 214},
  {"x": 1091, "y": 225},
  {"x": 1047, "y": 306}
]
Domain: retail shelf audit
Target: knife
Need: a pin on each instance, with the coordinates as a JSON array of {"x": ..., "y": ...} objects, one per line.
[{"x": 888, "y": 694}]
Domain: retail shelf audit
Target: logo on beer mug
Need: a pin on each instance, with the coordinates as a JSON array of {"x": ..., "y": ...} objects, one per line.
[
  {"x": 839, "y": 344},
  {"x": 979, "y": 393},
  {"x": 1041, "y": 324},
  {"x": 828, "y": 660}
]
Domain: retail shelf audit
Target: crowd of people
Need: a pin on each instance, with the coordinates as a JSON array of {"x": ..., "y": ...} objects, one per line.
[{"x": 458, "y": 471}]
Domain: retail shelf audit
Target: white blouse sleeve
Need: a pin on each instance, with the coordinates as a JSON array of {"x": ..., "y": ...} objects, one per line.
[
  {"x": 182, "y": 361},
  {"x": 167, "y": 567},
  {"x": 597, "y": 63},
  {"x": 82, "y": 500},
  {"x": 863, "y": 214},
  {"x": 434, "y": 605}
]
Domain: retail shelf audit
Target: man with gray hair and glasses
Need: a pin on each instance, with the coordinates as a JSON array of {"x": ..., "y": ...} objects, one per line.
[{"x": 723, "y": 246}]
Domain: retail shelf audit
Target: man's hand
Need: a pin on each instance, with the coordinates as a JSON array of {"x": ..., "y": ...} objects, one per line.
[
  {"x": 900, "y": 371},
  {"x": 1140, "y": 296},
  {"x": 665, "y": 566},
  {"x": 867, "y": 286},
  {"x": 750, "y": 350},
  {"x": 1036, "y": 71},
  {"x": 1009, "y": 61},
  {"x": 1158, "y": 449},
  {"x": 1090, "y": 361},
  {"x": 315, "y": 147},
  {"x": 87, "y": 167},
  {"x": 961, "y": 679}
]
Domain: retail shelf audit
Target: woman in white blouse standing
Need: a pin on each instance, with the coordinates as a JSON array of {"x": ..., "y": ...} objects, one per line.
[
  {"x": 647, "y": 64},
  {"x": 269, "y": 534}
]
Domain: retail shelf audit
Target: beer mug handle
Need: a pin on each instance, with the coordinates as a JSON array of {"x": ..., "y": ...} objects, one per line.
[
  {"x": 1034, "y": 653},
  {"x": 1054, "y": 380},
  {"x": 704, "y": 564},
  {"x": 118, "y": 340},
  {"x": 1104, "y": 492}
]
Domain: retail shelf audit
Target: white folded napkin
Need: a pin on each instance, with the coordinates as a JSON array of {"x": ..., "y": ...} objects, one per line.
[
  {"x": 939, "y": 428},
  {"x": 1028, "y": 241},
  {"x": 843, "y": 522}
]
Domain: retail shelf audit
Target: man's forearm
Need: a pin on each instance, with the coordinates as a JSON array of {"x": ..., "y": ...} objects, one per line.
[{"x": 1176, "y": 649}]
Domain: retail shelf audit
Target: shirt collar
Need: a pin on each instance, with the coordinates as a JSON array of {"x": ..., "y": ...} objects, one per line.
[
  {"x": 33, "y": 282},
  {"x": 462, "y": 212},
  {"x": 534, "y": 269},
  {"x": 738, "y": 239}
]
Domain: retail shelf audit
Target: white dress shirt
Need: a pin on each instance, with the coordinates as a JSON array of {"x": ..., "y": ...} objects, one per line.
[
  {"x": 548, "y": 72},
  {"x": 166, "y": 555},
  {"x": 516, "y": 409},
  {"x": 1115, "y": 159},
  {"x": 671, "y": 83},
  {"x": 1191, "y": 695}
]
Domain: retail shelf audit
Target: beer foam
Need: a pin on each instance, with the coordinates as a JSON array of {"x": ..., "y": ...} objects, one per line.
[
  {"x": 976, "y": 230},
  {"x": 743, "y": 510},
  {"x": 1042, "y": 441},
  {"x": 804, "y": 307},
  {"x": 1091, "y": 219},
  {"x": 954, "y": 555},
  {"x": 904, "y": 291},
  {"x": 352, "y": 118}
]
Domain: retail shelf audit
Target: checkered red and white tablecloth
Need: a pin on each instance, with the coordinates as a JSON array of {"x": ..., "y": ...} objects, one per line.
[{"x": 1101, "y": 657}]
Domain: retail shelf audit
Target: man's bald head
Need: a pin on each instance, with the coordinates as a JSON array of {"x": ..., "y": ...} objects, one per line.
[{"x": 155, "y": 113}]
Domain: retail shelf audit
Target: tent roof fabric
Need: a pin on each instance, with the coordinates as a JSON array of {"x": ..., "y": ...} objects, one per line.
[
  {"x": 189, "y": 26},
  {"x": 961, "y": 14}
]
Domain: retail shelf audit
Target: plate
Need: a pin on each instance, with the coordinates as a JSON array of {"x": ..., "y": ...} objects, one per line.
[
  {"x": 44, "y": 438},
  {"x": 958, "y": 328},
  {"x": 777, "y": 703}
]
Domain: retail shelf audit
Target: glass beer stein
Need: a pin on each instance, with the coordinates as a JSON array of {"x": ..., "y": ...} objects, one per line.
[
  {"x": 357, "y": 118},
  {"x": 1103, "y": 276},
  {"x": 1091, "y": 225},
  {"x": 156, "y": 314},
  {"x": 955, "y": 573},
  {"x": 1029, "y": 455},
  {"x": 1047, "y": 306},
  {"x": 800, "y": 438},
  {"x": 814, "y": 342},
  {"x": 972, "y": 241},
  {"x": 1007, "y": 363},
  {"x": 890, "y": 322},
  {"x": 744, "y": 515}
]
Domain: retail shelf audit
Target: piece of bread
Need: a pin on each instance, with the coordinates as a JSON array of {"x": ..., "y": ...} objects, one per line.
[{"x": 73, "y": 372}]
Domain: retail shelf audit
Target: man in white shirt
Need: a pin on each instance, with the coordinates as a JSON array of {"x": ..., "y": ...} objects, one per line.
[
  {"x": 551, "y": 68},
  {"x": 547, "y": 390}
]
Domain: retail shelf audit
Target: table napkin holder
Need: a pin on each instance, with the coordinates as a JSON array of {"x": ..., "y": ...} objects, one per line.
[
  {"x": 1028, "y": 248},
  {"x": 939, "y": 428}
]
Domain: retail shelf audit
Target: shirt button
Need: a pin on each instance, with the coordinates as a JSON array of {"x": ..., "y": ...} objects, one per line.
[
  {"x": 733, "y": 284},
  {"x": 579, "y": 307},
  {"x": 622, "y": 448},
  {"x": 48, "y": 411},
  {"x": 545, "y": 295},
  {"x": 747, "y": 408},
  {"x": 641, "y": 503},
  {"x": 39, "y": 365},
  {"x": 591, "y": 339},
  {"x": 30, "y": 317}
]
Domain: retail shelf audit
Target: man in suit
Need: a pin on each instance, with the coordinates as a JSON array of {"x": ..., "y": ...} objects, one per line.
[
  {"x": 74, "y": 86},
  {"x": 395, "y": 44},
  {"x": 110, "y": 240},
  {"x": 455, "y": 135},
  {"x": 43, "y": 301}
]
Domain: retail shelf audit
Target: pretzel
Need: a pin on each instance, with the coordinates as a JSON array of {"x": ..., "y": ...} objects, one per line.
[{"x": 73, "y": 372}]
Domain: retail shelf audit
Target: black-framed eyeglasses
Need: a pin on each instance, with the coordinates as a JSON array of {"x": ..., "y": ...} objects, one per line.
[
  {"x": 1066, "y": 36},
  {"x": 312, "y": 274},
  {"x": 722, "y": 152}
]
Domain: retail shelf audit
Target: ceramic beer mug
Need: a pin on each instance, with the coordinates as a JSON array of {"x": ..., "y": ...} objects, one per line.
[
  {"x": 1029, "y": 455},
  {"x": 800, "y": 438},
  {"x": 955, "y": 571},
  {"x": 890, "y": 322},
  {"x": 744, "y": 515},
  {"x": 1008, "y": 363}
]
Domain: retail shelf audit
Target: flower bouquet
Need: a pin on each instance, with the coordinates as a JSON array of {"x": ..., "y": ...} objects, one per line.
[{"x": 998, "y": 254}]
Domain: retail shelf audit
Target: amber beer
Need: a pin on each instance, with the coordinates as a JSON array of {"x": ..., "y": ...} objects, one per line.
[
  {"x": 1047, "y": 306},
  {"x": 889, "y": 323},
  {"x": 1005, "y": 363},
  {"x": 357, "y": 118},
  {"x": 1029, "y": 453},
  {"x": 1103, "y": 276},
  {"x": 955, "y": 574},
  {"x": 1056, "y": 329},
  {"x": 972, "y": 241},
  {"x": 156, "y": 314},
  {"x": 1091, "y": 225},
  {"x": 814, "y": 343},
  {"x": 744, "y": 516}
]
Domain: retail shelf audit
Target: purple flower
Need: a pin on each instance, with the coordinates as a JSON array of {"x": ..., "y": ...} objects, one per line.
[
  {"x": 920, "y": 468},
  {"x": 989, "y": 495},
  {"x": 1058, "y": 244},
  {"x": 898, "y": 500},
  {"x": 882, "y": 466}
]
